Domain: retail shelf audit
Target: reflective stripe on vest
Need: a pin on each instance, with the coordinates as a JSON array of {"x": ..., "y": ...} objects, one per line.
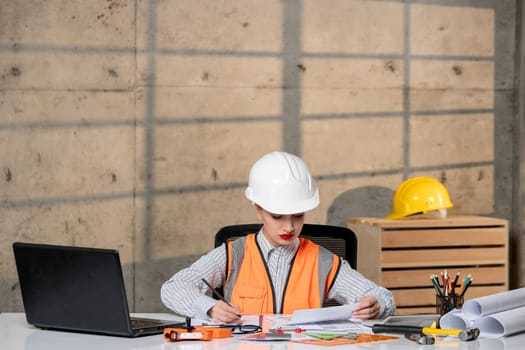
[{"x": 247, "y": 284}]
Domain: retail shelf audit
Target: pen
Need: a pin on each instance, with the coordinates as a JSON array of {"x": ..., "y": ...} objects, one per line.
[
  {"x": 455, "y": 283},
  {"x": 217, "y": 294},
  {"x": 435, "y": 283},
  {"x": 456, "y": 279},
  {"x": 466, "y": 286},
  {"x": 467, "y": 279}
]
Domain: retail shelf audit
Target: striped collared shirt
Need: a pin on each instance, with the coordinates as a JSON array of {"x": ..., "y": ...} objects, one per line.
[{"x": 185, "y": 293}]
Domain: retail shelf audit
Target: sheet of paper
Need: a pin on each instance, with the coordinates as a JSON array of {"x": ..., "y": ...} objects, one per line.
[
  {"x": 279, "y": 319},
  {"x": 267, "y": 337},
  {"x": 341, "y": 341},
  {"x": 343, "y": 312},
  {"x": 337, "y": 326}
]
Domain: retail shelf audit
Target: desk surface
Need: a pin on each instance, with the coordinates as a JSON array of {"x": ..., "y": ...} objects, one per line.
[{"x": 16, "y": 334}]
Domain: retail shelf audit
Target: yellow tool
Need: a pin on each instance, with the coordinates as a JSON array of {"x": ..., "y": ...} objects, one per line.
[{"x": 464, "y": 335}]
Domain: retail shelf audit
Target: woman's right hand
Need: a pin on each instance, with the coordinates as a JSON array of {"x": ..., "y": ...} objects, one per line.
[{"x": 221, "y": 312}]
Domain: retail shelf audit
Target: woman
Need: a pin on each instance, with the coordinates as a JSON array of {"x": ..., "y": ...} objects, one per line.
[{"x": 274, "y": 271}]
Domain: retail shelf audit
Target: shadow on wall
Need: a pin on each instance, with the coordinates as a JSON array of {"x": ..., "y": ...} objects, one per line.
[
  {"x": 369, "y": 201},
  {"x": 142, "y": 281},
  {"x": 149, "y": 277}
]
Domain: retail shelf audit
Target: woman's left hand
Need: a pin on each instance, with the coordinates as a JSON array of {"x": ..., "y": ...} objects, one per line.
[{"x": 368, "y": 308}]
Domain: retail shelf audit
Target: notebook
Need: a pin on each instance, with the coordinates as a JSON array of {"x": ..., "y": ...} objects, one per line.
[{"x": 78, "y": 289}]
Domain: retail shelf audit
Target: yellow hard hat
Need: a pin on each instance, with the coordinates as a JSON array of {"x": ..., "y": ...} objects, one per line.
[{"x": 419, "y": 195}]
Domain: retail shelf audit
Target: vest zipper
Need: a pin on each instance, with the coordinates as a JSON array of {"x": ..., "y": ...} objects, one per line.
[
  {"x": 288, "y": 279},
  {"x": 274, "y": 306}
]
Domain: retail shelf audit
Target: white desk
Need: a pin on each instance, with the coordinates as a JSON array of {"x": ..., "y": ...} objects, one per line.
[{"x": 16, "y": 334}]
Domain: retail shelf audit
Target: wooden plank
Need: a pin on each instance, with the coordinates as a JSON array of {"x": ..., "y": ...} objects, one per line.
[
  {"x": 433, "y": 248},
  {"x": 443, "y": 257},
  {"x": 451, "y": 221},
  {"x": 368, "y": 254},
  {"x": 421, "y": 277},
  {"x": 444, "y": 237},
  {"x": 427, "y": 296}
]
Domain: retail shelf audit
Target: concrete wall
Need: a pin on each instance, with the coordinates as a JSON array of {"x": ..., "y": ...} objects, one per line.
[
  {"x": 519, "y": 126},
  {"x": 133, "y": 124}
]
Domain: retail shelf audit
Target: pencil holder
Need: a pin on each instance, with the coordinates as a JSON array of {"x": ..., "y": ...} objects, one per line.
[{"x": 446, "y": 303}]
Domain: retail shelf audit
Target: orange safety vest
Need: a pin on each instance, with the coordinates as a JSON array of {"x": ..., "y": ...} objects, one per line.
[{"x": 248, "y": 284}]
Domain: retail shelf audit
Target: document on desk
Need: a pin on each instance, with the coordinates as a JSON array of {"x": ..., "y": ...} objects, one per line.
[
  {"x": 344, "y": 326},
  {"x": 331, "y": 313}
]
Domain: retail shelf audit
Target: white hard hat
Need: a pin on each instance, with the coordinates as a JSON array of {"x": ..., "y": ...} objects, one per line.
[{"x": 281, "y": 183}]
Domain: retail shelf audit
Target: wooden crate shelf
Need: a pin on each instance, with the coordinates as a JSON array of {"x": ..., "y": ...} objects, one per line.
[{"x": 402, "y": 254}]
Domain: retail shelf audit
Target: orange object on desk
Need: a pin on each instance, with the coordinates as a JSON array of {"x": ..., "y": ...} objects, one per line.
[{"x": 196, "y": 333}]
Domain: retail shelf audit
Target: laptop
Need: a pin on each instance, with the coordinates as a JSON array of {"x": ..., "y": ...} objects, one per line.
[{"x": 78, "y": 289}]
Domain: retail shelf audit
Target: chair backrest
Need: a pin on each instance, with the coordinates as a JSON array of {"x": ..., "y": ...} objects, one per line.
[{"x": 339, "y": 240}]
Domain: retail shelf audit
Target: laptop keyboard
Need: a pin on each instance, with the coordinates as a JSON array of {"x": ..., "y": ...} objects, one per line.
[{"x": 144, "y": 323}]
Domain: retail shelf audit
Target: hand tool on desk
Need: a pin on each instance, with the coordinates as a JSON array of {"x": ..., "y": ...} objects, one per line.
[
  {"x": 195, "y": 333},
  {"x": 422, "y": 339},
  {"x": 464, "y": 335}
]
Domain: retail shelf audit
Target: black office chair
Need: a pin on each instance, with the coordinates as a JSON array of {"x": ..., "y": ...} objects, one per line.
[{"x": 339, "y": 240}]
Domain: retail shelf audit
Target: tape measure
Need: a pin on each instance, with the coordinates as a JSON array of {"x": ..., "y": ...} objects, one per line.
[{"x": 196, "y": 333}]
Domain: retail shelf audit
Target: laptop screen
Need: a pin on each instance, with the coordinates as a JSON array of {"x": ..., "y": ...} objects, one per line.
[{"x": 72, "y": 288}]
